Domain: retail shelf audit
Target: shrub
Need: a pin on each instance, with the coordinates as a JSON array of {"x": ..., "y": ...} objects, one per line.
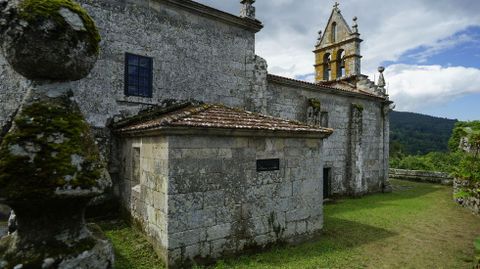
[
  {"x": 468, "y": 169},
  {"x": 433, "y": 161}
]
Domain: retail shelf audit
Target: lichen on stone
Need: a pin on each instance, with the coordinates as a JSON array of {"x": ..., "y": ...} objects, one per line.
[
  {"x": 315, "y": 103},
  {"x": 32, "y": 10},
  {"x": 52, "y": 144},
  {"x": 36, "y": 259},
  {"x": 358, "y": 107}
]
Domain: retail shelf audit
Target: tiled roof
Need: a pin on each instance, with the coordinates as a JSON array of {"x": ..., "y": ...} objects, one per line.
[
  {"x": 323, "y": 86},
  {"x": 215, "y": 117}
]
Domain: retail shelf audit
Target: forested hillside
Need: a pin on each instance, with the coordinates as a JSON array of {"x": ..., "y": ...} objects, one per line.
[{"x": 412, "y": 133}]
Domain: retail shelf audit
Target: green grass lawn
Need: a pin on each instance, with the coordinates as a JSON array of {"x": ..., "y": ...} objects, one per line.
[
  {"x": 131, "y": 247},
  {"x": 416, "y": 226}
]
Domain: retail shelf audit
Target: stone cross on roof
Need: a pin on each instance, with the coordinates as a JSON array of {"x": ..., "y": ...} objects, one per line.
[
  {"x": 248, "y": 10},
  {"x": 335, "y": 6}
]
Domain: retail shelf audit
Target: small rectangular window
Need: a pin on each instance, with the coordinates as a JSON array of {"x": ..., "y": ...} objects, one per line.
[
  {"x": 138, "y": 75},
  {"x": 327, "y": 180},
  {"x": 268, "y": 165}
]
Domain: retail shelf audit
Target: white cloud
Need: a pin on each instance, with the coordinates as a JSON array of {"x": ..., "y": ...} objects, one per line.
[
  {"x": 415, "y": 88},
  {"x": 389, "y": 28},
  {"x": 441, "y": 46}
]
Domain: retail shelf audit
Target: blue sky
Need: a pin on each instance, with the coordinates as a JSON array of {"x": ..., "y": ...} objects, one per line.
[
  {"x": 462, "y": 49},
  {"x": 431, "y": 48}
]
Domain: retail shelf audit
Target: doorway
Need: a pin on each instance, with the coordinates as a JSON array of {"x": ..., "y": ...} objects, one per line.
[{"x": 327, "y": 174}]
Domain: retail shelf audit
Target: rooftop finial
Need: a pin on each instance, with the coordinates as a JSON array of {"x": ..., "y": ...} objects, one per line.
[
  {"x": 381, "y": 79},
  {"x": 335, "y": 6},
  {"x": 355, "y": 25},
  {"x": 248, "y": 10},
  {"x": 319, "y": 39}
]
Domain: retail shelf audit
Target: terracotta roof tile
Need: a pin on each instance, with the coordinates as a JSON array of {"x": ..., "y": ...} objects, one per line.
[
  {"x": 219, "y": 117},
  {"x": 324, "y": 85}
]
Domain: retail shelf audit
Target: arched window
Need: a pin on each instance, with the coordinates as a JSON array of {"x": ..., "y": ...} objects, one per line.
[
  {"x": 340, "y": 63},
  {"x": 334, "y": 32},
  {"x": 327, "y": 71}
]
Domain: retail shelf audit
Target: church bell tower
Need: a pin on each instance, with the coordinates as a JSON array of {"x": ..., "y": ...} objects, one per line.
[{"x": 337, "y": 52}]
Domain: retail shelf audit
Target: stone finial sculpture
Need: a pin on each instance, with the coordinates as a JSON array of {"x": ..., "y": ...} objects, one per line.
[
  {"x": 355, "y": 25},
  {"x": 50, "y": 166},
  {"x": 381, "y": 80},
  {"x": 248, "y": 10},
  {"x": 319, "y": 39},
  {"x": 60, "y": 29}
]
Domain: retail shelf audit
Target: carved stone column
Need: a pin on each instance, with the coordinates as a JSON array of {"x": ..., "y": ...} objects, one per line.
[{"x": 50, "y": 166}]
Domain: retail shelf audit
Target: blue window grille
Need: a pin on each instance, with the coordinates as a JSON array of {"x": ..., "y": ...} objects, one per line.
[{"x": 138, "y": 75}]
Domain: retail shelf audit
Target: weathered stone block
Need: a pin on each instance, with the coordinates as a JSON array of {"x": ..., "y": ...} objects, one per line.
[
  {"x": 218, "y": 231},
  {"x": 185, "y": 238},
  {"x": 213, "y": 198}
]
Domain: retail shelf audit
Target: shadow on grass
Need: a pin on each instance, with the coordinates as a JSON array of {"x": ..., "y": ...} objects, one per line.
[
  {"x": 334, "y": 243},
  {"x": 404, "y": 190},
  {"x": 132, "y": 249}
]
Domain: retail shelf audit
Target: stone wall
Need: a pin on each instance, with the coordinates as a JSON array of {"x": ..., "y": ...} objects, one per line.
[
  {"x": 362, "y": 144},
  {"x": 198, "y": 53},
  {"x": 421, "y": 176},
  {"x": 210, "y": 57},
  {"x": 195, "y": 55},
  {"x": 218, "y": 204},
  {"x": 143, "y": 186},
  {"x": 467, "y": 194}
]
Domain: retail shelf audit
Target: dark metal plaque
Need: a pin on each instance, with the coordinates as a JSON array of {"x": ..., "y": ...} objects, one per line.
[{"x": 268, "y": 165}]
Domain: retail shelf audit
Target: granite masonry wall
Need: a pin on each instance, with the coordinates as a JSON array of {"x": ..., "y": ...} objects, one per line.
[
  {"x": 143, "y": 186},
  {"x": 195, "y": 55},
  {"x": 198, "y": 53},
  {"x": 421, "y": 176},
  {"x": 218, "y": 204},
  {"x": 467, "y": 194},
  {"x": 207, "y": 55},
  {"x": 357, "y": 151}
]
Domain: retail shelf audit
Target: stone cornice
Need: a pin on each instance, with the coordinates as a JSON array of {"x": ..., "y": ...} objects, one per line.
[
  {"x": 323, "y": 88},
  {"x": 338, "y": 44},
  {"x": 192, "y": 6},
  {"x": 187, "y": 5}
]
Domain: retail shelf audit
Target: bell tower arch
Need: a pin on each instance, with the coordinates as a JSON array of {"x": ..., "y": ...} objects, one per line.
[{"x": 338, "y": 49}]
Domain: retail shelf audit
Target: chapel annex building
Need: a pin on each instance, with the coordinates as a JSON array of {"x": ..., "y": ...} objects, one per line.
[{"x": 209, "y": 153}]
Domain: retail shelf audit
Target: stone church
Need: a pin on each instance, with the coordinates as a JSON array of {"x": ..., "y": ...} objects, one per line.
[{"x": 209, "y": 153}]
